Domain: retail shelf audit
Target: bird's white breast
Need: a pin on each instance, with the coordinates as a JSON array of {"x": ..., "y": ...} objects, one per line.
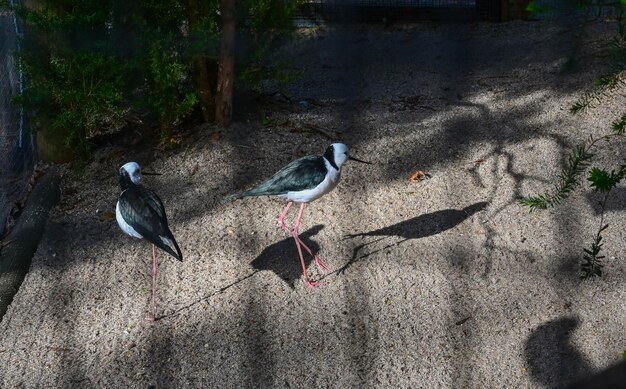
[
  {"x": 330, "y": 182},
  {"x": 123, "y": 225}
]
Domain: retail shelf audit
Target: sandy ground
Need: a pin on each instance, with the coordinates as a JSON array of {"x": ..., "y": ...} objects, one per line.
[{"x": 446, "y": 283}]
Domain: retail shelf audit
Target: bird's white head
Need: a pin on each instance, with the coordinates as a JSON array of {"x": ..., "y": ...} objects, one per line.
[
  {"x": 131, "y": 171},
  {"x": 337, "y": 154}
]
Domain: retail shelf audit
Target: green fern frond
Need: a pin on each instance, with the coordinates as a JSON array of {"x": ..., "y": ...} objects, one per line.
[
  {"x": 619, "y": 126},
  {"x": 592, "y": 267},
  {"x": 569, "y": 178},
  {"x": 585, "y": 102},
  {"x": 604, "y": 87}
]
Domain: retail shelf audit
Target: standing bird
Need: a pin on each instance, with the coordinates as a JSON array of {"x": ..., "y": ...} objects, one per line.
[
  {"x": 302, "y": 181},
  {"x": 140, "y": 214}
]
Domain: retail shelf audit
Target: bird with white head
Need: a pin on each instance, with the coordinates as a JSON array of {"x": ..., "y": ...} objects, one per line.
[
  {"x": 141, "y": 214},
  {"x": 304, "y": 180}
]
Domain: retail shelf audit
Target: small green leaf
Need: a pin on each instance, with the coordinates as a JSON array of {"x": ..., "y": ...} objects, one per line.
[
  {"x": 601, "y": 180},
  {"x": 619, "y": 126},
  {"x": 534, "y": 8}
]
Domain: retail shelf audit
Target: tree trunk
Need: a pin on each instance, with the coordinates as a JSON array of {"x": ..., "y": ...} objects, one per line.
[
  {"x": 203, "y": 80},
  {"x": 203, "y": 84},
  {"x": 226, "y": 68}
]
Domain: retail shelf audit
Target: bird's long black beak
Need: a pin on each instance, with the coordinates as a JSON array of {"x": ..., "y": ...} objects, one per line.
[
  {"x": 359, "y": 160},
  {"x": 151, "y": 174}
]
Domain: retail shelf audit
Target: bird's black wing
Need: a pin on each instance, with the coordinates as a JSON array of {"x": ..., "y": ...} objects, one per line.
[
  {"x": 302, "y": 174},
  {"x": 143, "y": 210}
]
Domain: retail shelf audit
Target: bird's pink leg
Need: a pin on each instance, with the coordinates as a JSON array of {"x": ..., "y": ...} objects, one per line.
[
  {"x": 318, "y": 261},
  {"x": 154, "y": 279},
  {"x": 312, "y": 284},
  {"x": 281, "y": 218}
]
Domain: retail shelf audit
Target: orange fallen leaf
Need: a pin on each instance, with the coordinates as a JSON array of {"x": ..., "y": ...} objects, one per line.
[
  {"x": 216, "y": 136},
  {"x": 106, "y": 216},
  {"x": 479, "y": 161},
  {"x": 418, "y": 175}
]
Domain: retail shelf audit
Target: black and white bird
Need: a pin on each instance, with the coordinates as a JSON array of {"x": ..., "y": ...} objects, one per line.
[
  {"x": 141, "y": 214},
  {"x": 304, "y": 180}
]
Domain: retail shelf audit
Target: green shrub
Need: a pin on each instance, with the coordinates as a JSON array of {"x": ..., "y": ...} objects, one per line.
[
  {"x": 89, "y": 62},
  {"x": 168, "y": 96}
]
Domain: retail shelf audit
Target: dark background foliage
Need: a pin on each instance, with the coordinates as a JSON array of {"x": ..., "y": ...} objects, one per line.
[{"x": 92, "y": 65}]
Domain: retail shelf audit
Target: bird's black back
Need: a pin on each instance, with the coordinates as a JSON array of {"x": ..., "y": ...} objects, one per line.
[
  {"x": 302, "y": 174},
  {"x": 143, "y": 210}
]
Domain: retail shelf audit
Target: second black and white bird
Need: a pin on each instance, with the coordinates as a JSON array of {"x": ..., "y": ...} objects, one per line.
[
  {"x": 301, "y": 181},
  {"x": 141, "y": 214}
]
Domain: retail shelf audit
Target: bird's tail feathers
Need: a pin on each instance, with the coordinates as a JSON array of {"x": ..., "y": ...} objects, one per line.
[
  {"x": 180, "y": 254},
  {"x": 169, "y": 245},
  {"x": 250, "y": 193},
  {"x": 235, "y": 196}
]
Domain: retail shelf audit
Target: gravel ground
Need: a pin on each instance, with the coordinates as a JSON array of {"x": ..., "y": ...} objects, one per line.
[{"x": 444, "y": 283}]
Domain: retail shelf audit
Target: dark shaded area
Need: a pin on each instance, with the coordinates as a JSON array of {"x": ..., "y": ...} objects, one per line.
[
  {"x": 346, "y": 11},
  {"x": 387, "y": 14},
  {"x": 24, "y": 238},
  {"x": 17, "y": 144},
  {"x": 363, "y": 336},
  {"x": 206, "y": 298},
  {"x": 552, "y": 360},
  {"x": 258, "y": 363},
  {"x": 163, "y": 361},
  {"x": 463, "y": 340},
  {"x": 612, "y": 378},
  {"x": 282, "y": 257},
  {"x": 426, "y": 225},
  {"x": 615, "y": 202}
]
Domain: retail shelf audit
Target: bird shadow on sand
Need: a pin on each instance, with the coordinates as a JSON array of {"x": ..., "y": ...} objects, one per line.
[
  {"x": 282, "y": 257},
  {"x": 415, "y": 228}
]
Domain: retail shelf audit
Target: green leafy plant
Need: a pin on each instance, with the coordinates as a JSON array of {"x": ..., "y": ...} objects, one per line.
[
  {"x": 605, "y": 87},
  {"x": 74, "y": 81},
  {"x": 81, "y": 95},
  {"x": 577, "y": 163},
  {"x": 593, "y": 260},
  {"x": 601, "y": 180},
  {"x": 535, "y": 8},
  {"x": 168, "y": 98},
  {"x": 90, "y": 63},
  {"x": 266, "y": 24}
]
